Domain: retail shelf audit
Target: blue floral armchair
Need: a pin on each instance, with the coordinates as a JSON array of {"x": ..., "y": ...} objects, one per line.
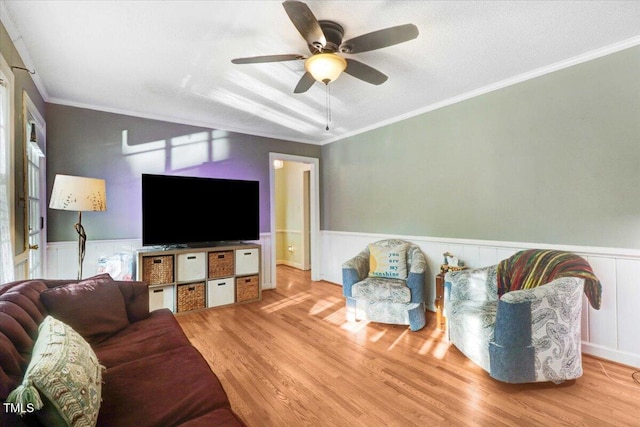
[
  {"x": 522, "y": 335},
  {"x": 383, "y": 297}
]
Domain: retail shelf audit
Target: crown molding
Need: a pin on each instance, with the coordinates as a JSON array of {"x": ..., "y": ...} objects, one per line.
[
  {"x": 21, "y": 48},
  {"x": 168, "y": 119},
  {"x": 570, "y": 62}
]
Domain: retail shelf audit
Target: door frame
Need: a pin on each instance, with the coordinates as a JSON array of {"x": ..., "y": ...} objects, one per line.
[
  {"x": 10, "y": 153},
  {"x": 314, "y": 210},
  {"x": 31, "y": 114}
]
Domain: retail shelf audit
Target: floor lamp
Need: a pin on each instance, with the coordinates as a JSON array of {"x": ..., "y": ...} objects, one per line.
[{"x": 75, "y": 193}]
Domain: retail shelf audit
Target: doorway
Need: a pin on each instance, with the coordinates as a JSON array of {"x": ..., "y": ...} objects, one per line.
[{"x": 294, "y": 197}]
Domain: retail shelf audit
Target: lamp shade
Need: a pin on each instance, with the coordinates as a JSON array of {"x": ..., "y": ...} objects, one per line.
[
  {"x": 76, "y": 193},
  {"x": 325, "y": 67}
]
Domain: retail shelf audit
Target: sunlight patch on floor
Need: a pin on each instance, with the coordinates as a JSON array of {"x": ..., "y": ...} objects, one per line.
[
  {"x": 441, "y": 350},
  {"x": 337, "y": 317},
  {"x": 397, "y": 340},
  {"x": 469, "y": 364},
  {"x": 355, "y": 327},
  {"x": 324, "y": 304},
  {"x": 378, "y": 336},
  {"x": 435, "y": 345},
  {"x": 303, "y": 296}
]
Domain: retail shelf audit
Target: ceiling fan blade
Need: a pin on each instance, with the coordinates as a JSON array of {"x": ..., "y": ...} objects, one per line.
[
  {"x": 379, "y": 39},
  {"x": 305, "y": 83},
  {"x": 267, "y": 58},
  {"x": 306, "y": 23},
  {"x": 364, "y": 72}
]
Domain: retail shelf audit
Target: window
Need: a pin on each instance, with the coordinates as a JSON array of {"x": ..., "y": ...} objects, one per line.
[{"x": 6, "y": 173}]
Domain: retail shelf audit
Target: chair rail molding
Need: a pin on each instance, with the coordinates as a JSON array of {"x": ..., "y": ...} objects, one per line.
[{"x": 610, "y": 333}]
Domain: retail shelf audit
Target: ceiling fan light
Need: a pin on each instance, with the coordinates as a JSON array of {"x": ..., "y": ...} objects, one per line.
[{"x": 325, "y": 67}]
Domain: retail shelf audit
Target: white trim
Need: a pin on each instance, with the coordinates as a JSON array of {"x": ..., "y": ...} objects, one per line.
[
  {"x": 16, "y": 38},
  {"x": 289, "y": 263},
  {"x": 9, "y": 85},
  {"x": 23, "y": 52},
  {"x": 610, "y": 332},
  {"x": 30, "y": 108},
  {"x": 160, "y": 117},
  {"x": 618, "y": 356},
  {"x": 18, "y": 42},
  {"x": 591, "y": 250},
  {"x": 8, "y": 23},
  {"x": 314, "y": 211},
  {"x": 579, "y": 59}
]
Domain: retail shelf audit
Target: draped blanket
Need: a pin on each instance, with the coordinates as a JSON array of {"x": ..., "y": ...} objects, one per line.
[{"x": 534, "y": 267}]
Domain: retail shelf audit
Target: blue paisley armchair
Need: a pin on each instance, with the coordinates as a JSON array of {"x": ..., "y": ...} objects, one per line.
[
  {"x": 523, "y": 335},
  {"x": 394, "y": 299}
]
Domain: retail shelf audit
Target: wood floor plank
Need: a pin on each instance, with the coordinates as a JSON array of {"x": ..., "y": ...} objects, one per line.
[{"x": 293, "y": 360}]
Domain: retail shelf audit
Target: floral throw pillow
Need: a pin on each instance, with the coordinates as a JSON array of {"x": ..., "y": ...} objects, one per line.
[{"x": 63, "y": 380}]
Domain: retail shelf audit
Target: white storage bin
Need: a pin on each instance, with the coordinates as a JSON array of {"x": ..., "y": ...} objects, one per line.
[
  {"x": 161, "y": 297},
  {"x": 247, "y": 261},
  {"x": 220, "y": 292},
  {"x": 191, "y": 266}
]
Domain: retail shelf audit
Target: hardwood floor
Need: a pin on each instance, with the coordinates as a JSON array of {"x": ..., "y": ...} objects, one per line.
[{"x": 292, "y": 360}]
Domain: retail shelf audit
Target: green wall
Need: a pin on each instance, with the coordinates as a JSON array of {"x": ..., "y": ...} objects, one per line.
[{"x": 555, "y": 159}]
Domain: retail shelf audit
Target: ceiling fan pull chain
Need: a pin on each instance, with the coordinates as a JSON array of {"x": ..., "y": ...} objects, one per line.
[{"x": 328, "y": 104}]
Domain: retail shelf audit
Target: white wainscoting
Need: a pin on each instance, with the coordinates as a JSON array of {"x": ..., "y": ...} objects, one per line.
[
  {"x": 611, "y": 332},
  {"x": 62, "y": 257}
]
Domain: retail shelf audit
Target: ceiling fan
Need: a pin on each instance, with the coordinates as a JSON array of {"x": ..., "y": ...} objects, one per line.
[{"x": 324, "y": 39}]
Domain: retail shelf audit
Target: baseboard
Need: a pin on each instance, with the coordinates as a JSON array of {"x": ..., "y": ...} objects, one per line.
[
  {"x": 610, "y": 333},
  {"x": 289, "y": 264},
  {"x": 617, "y": 356}
]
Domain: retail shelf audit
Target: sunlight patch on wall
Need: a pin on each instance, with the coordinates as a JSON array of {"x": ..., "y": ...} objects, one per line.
[
  {"x": 220, "y": 147},
  {"x": 180, "y": 152},
  {"x": 144, "y": 158},
  {"x": 189, "y": 150}
]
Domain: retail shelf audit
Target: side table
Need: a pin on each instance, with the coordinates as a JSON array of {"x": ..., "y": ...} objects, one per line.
[{"x": 439, "y": 303}]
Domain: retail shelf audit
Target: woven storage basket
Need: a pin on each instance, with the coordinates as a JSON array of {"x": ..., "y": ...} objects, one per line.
[
  {"x": 191, "y": 296},
  {"x": 157, "y": 270},
  {"x": 247, "y": 288},
  {"x": 221, "y": 264}
]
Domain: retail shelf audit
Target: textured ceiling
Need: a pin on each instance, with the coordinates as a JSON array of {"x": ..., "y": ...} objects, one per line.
[{"x": 171, "y": 60}]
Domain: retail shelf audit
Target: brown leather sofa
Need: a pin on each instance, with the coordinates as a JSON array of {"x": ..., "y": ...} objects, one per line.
[{"x": 153, "y": 375}]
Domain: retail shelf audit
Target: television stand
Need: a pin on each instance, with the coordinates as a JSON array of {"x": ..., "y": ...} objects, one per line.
[
  {"x": 215, "y": 244},
  {"x": 184, "y": 279}
]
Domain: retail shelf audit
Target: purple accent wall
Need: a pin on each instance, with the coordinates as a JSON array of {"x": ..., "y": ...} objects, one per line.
[{"x": 119, "y": 148}]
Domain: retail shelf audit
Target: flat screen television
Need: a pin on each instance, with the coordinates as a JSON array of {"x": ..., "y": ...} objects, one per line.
[{"x": 194, "y": 211}]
